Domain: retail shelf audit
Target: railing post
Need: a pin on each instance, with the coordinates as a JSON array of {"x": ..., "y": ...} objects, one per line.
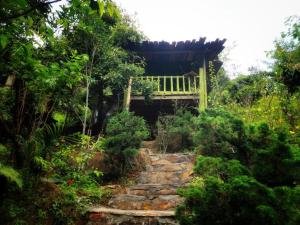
[
  {"x": 183, "y": 84},
  {"x": 171, "y": 84},
  {"x": 127, "y": 95},
  {"x": 189, "y": 83},
  {"x": 158, "y": 84},
  {"x": 165, "y": 84},
  {"x": 203, "y": 88}
]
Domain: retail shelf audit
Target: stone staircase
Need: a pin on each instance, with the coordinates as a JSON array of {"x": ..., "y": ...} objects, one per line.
[{"x": 153, "y": 199}]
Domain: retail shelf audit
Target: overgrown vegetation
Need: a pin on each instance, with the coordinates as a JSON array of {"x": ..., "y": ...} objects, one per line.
[
  {"x": 175, "y": 132},
  {"x": 125, "y": 133},
  {"x": 248, "y": 168},
  {"x": 61, "y": 73},
  {"x": 62, "y": 80}
]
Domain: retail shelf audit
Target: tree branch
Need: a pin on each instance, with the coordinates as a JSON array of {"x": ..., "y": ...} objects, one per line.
[{"x": 23, "y": 13}]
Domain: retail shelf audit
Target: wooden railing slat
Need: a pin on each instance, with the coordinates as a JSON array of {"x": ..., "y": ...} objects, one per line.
[{"x": 170, "y": 85}]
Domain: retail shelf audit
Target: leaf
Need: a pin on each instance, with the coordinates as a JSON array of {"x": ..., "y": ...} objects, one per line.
[
  {"x": 3, "y": 41},
  {"x": 11, "y": 174},
  {"x": 110, "y": 8},
  {"x": 101, "y": 7},
  {"x": 21, "y": 3},
  {"x": 30, "y": 21}
]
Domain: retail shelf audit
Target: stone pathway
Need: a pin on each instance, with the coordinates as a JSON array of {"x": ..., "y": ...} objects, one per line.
[{"x": 153, "y": 199}]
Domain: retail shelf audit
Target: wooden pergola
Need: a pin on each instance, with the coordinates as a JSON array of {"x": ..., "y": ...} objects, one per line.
[{"x": 179, "y": 69}]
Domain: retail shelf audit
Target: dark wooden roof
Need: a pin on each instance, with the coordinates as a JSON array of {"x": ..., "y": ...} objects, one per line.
[
  {"x": 176, "y": 57},
  {"x": 184, "y": 50}
]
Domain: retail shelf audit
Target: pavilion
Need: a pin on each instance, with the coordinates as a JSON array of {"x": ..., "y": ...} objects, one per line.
[{"x": 180, "y": 71}]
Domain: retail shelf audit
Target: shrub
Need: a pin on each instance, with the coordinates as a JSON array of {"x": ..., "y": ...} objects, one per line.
[
  {"x": 175, "y": 132},
  {"x": 275, "y": 161},
  {"x": 220, "y": 134},
  {"x": 125, "y": 133},
  {"x": 241, "y": 200},
  {"x": 222, "y": 168}
]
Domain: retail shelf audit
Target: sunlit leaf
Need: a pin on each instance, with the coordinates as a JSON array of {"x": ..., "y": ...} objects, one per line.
[
  {"x": 110, "y": 8},
  {"x": 11, "y": 174},
  {"x": 101, "y": 7},
  {"x": 3, "y": 41}
]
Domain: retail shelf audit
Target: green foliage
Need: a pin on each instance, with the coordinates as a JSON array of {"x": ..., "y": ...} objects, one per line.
[
  {"x": 216, "y": 201},
  {"x": 274, "y": 162},
  {"x": 175, "y": 132},
  {"x": 11, "y": 175},
  {"x": 125, "y": 133},
  {"x": 221, "y": 168},
  {"x": 143, "y": 87},
  {"x": 219, "y": 133},
  {"x": 54, "y": 68},
  {"x": 268, "y": 153},
  {"x": 6, "y": 103},
  {"x": 249, "y": 174},
  {"x": 246, "y": 90},
  {"x": 287, "y": 56},
  {"x": 249, "y": 171}
]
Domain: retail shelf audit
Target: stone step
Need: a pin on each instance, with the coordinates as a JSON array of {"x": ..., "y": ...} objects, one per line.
[
  {"x": 142, "y": 213},
  {"x": 169, "y": 167},
  {"x": 109, "y": 216},
  {"x": 137, "y": 202},
  {"x": 163, "y": 177},
  {"x": 152, "y": 189},
  {"x": 172, "y": 158}
]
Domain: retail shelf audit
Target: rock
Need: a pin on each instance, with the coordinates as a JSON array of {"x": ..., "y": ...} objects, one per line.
[
  {"x": 106, "y": 216},
  {"x": 152, "y": 200},
  {"x": 152, "y": 189}
]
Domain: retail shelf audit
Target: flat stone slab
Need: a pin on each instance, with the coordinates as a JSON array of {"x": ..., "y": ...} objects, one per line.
[
  {"x": 152, "y": 189},
  {"x": 138, "y": 202},
  {"x": 156, "y": 177},
  {"x": 140, "y": 213},
  {"x": 171, "y": 158}
]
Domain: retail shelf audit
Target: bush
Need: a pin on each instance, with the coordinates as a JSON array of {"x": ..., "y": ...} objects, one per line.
[
  {"x": 275, "y": 161},
  {"x": 241, "y": 200},
  {"x": 175, "y": 133},
  {"x": 221, "y": 168},
  {"x": 266, "y": 152},
  {"x": 125, "y": 133},
  {"x": 220, "y": 134}
]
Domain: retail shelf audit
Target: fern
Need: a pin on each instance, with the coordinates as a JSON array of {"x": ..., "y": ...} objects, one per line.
[{"x": 11, "y": 174}]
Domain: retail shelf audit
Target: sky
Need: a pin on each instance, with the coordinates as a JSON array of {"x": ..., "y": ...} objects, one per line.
[{"x": 250, "y": 26}]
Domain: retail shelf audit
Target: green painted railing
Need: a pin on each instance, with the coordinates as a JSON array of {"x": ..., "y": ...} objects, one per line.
[{"x": 173, "y": 85}]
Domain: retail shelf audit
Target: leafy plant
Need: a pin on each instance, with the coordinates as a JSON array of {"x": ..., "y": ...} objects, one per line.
[
  {"x": 175, "y": 132},
  {"x": 11, "y": 175},
  {"x": 125, "y": 133},
  {"x": 241, "y": 200},
  {"x": 221, "y": 168}
]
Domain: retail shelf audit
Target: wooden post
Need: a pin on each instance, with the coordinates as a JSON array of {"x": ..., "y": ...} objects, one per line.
[
  {"x": 203, "y": 88},
  {"x": 127, "y": 95},
  {"x": 165, "y": 81},
  {"x": 158, "y": 84},
  {"x": 205, "y": 82},
  {"x": 10, "y": 80}
]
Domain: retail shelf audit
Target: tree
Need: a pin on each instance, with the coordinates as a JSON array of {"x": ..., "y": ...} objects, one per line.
[{"x": 287, "y": 56}]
